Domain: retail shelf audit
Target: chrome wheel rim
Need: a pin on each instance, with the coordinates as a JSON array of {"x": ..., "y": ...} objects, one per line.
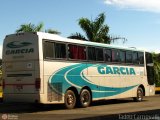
[
  {"x": 85, "y": 98},
  {"x": 70, "y": 99},
  {"x": 139, "y": 95}
]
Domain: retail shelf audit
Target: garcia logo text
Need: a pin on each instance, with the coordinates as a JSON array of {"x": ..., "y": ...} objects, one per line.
[{"x": 16, "y": 47}]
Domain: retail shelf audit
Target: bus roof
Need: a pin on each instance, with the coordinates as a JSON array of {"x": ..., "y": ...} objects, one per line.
[
  {"x": 60, "y": 38},
  {"x": 56, "y": 37}
]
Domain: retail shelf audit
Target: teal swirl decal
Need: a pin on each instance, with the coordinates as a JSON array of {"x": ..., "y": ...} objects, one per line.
[
  {"x": 73, "y": 76},
  {"x": 18, "y": 44}
]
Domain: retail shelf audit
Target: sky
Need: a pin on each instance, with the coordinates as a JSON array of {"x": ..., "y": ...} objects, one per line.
[{"x": 136, "y": 20}]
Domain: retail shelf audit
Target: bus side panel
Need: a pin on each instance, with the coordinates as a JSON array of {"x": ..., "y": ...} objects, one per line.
[
  {"x": 53, "y": 89},
  {"x": 59, "y": 76},
  {"x": 114, "y": 81}
]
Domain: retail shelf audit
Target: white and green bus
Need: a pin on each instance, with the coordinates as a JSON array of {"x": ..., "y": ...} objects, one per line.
[{"x": 50, "y": 69}]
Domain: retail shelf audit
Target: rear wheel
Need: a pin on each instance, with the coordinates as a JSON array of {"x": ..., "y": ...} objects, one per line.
[
  {"x": 70, "y": 99},
  {"x": 140, "y": 94},
  {"x": 85, "y": 98}
]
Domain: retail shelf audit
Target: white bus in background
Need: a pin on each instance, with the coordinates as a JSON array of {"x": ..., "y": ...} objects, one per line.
[{"x": 49, "y": 69}]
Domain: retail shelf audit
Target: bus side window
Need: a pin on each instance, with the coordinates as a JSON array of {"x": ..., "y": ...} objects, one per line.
[
  {"x": 107, "y": 55},
  {"x": 48, "y": 50},
  {"x": 115, "y": 55},
  {"x": 81, "y": 53},
  {"x": 91, "y": 53},
  {"x": 135, "y": 57},
  {"x": 122, "y": 56},
  {"x": 128, "y": 57},
  {"x": 77, "y": 52},
  {"x": 72, "y": 50},
  {"x": 60, "y": 50},
  {"x": 99, "y": 54},
  {"x": 141, "y": 58}
]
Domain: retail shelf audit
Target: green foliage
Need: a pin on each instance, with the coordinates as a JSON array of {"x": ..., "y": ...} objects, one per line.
[
  {"x": 52, "y": 31},
  {"x": 30, "y": 28},
  {"x": 78, "y": 36},
  {"x": 35, "y": 28},
  {"x": 156, "y": 60},
  {"x": 95, "y": 30}
]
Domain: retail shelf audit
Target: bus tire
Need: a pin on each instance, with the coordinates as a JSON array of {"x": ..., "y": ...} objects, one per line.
[
  {"x": 85, "y": 98},
  {"x": 139, "y": 96},
  {"x": 70, "y": 99}
]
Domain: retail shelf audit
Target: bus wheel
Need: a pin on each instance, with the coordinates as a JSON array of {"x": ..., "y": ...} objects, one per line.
[
  {"x": 85, "y": 98},
  {"x": 140, "y": 94},
  {"x": 70, "y": 99}
]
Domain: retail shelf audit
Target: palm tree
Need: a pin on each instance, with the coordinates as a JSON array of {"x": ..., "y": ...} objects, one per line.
[
  {"x": 52, "y": 31},
  {"x": 30, "y": 28},
  {"x": 35, "y": 28},
  {"x": 95, "y": 31}
]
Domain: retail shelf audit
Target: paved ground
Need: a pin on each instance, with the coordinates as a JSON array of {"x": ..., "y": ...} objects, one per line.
[{"x": 123, "y": 109}]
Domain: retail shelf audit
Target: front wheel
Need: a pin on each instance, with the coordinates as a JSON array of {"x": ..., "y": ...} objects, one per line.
[
  {"x": 70, "y": 99},
  {"x": 85, "y": 98},
  {"x": 140, "y": 94}
]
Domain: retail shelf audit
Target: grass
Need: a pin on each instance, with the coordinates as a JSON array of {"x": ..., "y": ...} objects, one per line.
[{"x": 157, "y": 89}]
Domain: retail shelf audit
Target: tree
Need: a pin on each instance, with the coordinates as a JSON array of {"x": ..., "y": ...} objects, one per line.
[
  {"x": 30, "y": 28},
  {"x": 95, "y": 31},
  {"x": 35, "y": 28},
  {"x": 156, "y": 60},
  {"x": 52, "y": 31}
]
